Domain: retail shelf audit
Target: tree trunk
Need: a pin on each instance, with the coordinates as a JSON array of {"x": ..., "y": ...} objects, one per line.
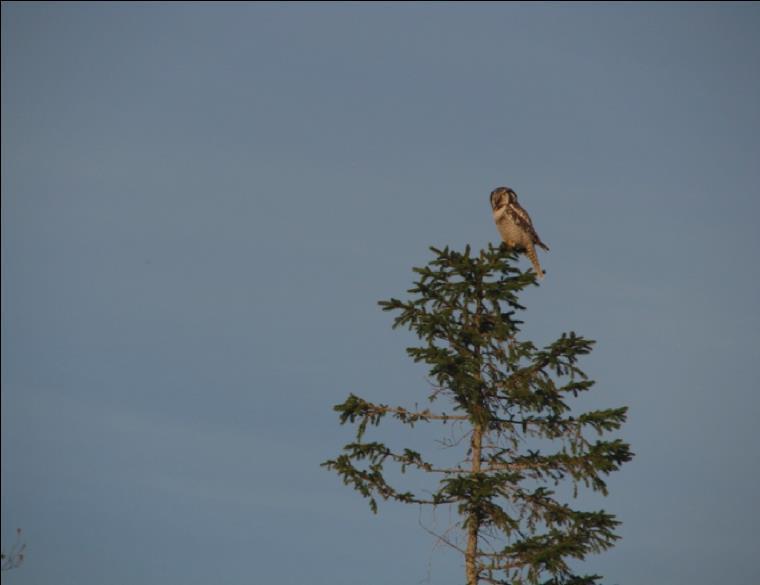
[{"x": 473, "y": 526}]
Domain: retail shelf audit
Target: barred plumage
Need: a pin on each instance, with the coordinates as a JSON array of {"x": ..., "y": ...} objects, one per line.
[{"x": 515, "y": 226}]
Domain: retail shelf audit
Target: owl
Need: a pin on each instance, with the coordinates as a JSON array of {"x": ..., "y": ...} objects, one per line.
[{"x": 515, "y": 226}]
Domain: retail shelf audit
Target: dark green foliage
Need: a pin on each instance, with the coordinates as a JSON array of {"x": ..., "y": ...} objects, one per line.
[{"x": 515, "y": 397}]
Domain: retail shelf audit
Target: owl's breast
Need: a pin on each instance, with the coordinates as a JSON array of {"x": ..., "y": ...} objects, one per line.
[{"x": 512, "y": 234}]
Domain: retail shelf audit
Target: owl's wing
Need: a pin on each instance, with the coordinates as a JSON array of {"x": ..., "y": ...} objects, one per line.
[
  {"x": 522, "y": 219},
  {"x": 520, "y": 216}
]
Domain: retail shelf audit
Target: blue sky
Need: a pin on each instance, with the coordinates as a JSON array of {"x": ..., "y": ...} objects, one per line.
[{"x": 202, "y": 204}]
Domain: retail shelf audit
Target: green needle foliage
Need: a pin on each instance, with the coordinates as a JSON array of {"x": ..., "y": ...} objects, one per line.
[{"x": 510, "y": 400}]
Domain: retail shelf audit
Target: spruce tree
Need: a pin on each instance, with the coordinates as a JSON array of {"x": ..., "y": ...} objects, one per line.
[{"x": 520, "y": 437}]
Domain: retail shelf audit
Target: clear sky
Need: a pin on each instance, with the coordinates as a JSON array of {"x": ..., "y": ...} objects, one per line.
[{"x": 202, "y": 203}]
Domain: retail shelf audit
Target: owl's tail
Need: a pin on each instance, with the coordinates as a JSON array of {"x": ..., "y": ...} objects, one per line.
[{"x": 531, "y": 252}]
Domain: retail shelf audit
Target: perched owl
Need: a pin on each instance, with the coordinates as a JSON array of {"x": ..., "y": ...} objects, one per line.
[{"x": 515, "y": 226}]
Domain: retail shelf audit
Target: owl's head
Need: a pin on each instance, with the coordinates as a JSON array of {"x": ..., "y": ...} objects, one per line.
[{"x": 501, "y": 196}]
